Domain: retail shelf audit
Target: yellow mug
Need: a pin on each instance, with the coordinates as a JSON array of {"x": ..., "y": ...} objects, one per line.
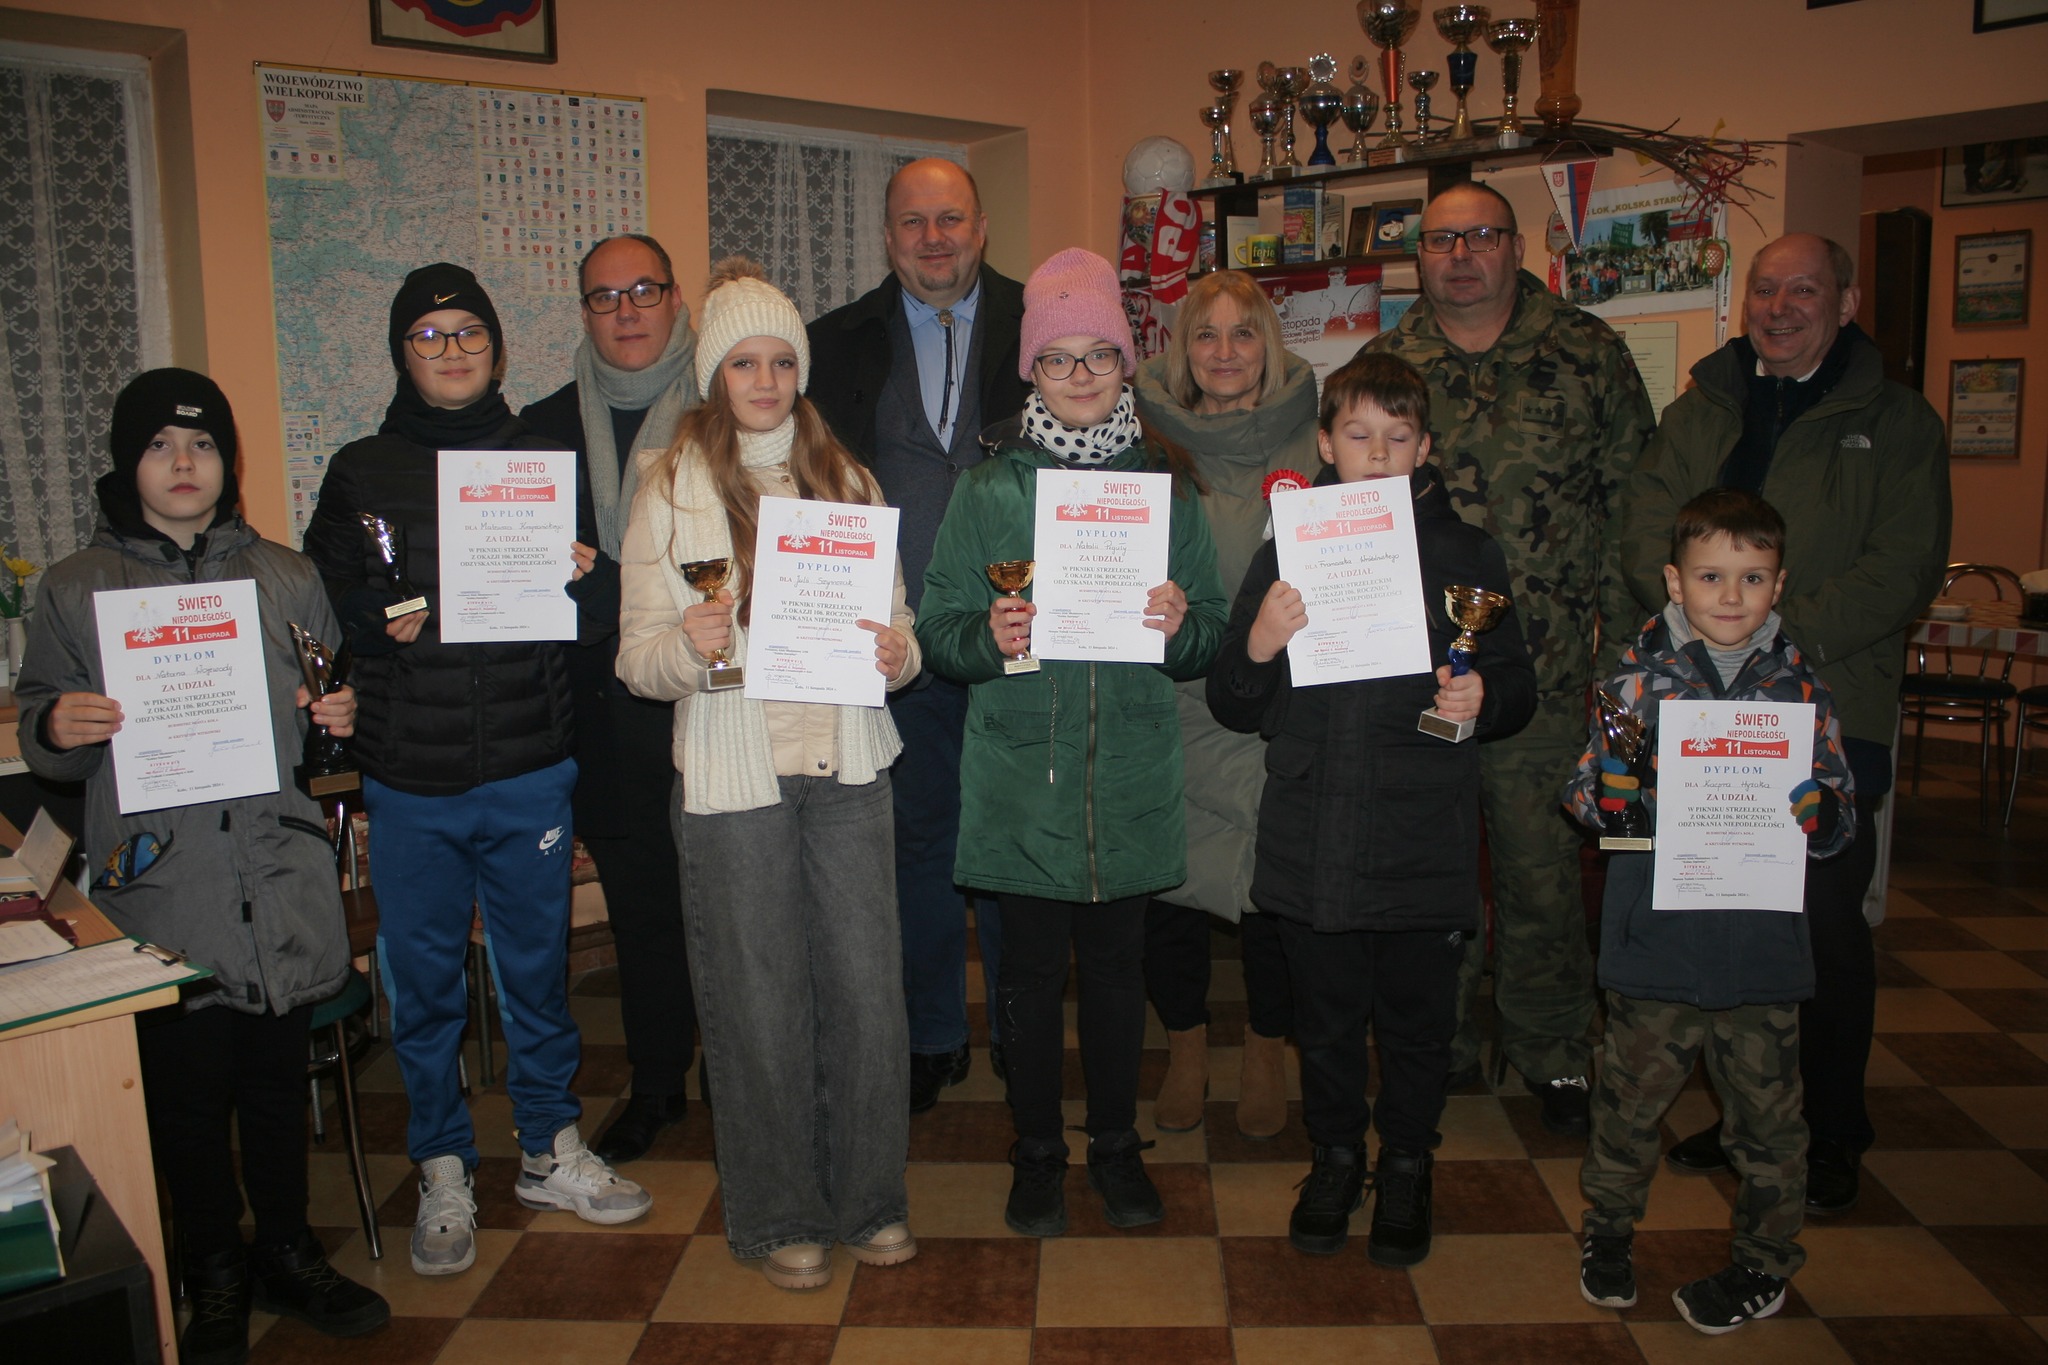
[{"x": 1261, "y": 248}]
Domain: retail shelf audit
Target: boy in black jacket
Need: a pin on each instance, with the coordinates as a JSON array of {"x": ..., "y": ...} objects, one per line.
[{"x": 1368, "y": 848}]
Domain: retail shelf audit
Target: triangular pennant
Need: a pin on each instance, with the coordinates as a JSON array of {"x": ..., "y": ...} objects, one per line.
[{"x": 1571, "y": 185}]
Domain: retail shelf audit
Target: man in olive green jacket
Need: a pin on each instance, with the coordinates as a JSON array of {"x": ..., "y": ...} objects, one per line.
[{"x": 1798, "y": 410}]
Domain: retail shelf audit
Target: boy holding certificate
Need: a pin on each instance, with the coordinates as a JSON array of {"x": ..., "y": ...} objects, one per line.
[
  {"x": 246, "y": 887},
  {"x": 1368, "y": 847},
  {"x": 1726, "y": 983}
]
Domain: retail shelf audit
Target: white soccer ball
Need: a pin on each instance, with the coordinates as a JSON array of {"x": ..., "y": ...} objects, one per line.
[{"x": 1158, "y": 163}]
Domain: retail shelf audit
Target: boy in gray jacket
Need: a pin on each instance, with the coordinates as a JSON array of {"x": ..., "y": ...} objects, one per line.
[{"x": 246, "y": 887}]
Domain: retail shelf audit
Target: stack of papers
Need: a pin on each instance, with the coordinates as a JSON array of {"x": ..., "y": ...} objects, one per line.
[{"x": 28, "y": 1218}]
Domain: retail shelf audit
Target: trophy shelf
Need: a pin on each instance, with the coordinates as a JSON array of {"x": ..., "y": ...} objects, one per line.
[{"x": 1443, "y": 167}]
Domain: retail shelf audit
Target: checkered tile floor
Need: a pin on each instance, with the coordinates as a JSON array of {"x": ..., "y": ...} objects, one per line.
[{"x": 1946, "y": 1257}]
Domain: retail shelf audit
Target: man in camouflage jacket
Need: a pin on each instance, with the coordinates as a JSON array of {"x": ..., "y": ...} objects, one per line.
[{"x": 1537, "y": 415}]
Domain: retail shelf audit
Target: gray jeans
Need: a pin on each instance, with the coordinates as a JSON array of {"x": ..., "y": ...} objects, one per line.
[{"x": 790, "y": 913}]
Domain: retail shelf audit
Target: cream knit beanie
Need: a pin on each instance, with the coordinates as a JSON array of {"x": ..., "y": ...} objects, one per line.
[{"x": 740, "y": 303}]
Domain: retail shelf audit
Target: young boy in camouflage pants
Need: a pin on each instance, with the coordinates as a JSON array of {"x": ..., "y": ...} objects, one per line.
[{"x": 1723, "y": 983}]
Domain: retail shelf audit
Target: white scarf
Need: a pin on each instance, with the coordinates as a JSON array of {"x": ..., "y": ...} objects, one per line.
[
  {"x": 1094, "y": 445},
  {"x": 728, "y": 758}
]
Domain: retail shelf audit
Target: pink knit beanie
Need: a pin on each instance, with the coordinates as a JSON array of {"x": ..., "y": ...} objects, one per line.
[{"x": 1073, "y": 294}]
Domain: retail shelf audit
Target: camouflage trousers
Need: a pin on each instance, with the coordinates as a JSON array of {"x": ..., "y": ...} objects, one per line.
[
  {"x": 1752, "y": 1054},
  {"x": 1542, "y": 967}
]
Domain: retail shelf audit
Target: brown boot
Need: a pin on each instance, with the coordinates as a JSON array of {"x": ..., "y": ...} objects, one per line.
[
  {"x": 1179, "y": 1108},
  {"x": 1262, "y": 1093}
]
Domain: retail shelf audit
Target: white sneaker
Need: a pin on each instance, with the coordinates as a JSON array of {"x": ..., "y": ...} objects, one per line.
[
  {"x": 444, "y": 1233},
  {"x": 577, "y": 1179}
]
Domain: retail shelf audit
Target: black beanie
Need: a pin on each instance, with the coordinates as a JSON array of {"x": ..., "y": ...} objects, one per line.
[
  {"x": 154, "y": 400},
  {"x": 430, "y": 289}
]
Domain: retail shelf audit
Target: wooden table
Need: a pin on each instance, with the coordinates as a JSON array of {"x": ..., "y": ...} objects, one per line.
[{"x": 75, "y": 1081}]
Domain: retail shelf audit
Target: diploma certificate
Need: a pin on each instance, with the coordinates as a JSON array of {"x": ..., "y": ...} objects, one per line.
[
  {"x": 1725, "y": 774},
  {"x": 507, "y": 520},
  {"x": 818, "y": 568},
  {"x": 1100, "y": 540},
  {"x": 186, "y": 663},
  {"x": 1349, "y": 550}
]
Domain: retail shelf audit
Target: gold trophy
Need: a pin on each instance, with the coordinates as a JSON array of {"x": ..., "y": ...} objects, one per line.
[
  {"x": 324, "y": 769},
  {"x": 1629, "y": 739},
  {"x": 1473, "y": 610},
  {"x": 1510, "y": 38},
  {"x": 708, "y": 576},
  {"x": 1011, "y": 577}
]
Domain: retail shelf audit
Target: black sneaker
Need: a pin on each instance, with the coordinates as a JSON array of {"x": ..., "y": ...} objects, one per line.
[
  {"x": 1725, "y": 1300},
  {"x": 1567, "y": 1105},
  {"x": 1117, "y": 1173},
  {"x": 1331, "y": 1191},
  {"x": 1833, "y": 1184},
  {"x": 1699, "y": 1154},
  {"x": 931, "y": 1072},
  {"x": 1401, "y": 1185},
  {"x": 1607, "y": 1270},
  {"x": 219, "y": 1289},
  {"x": 638, "y": 1125},
  {"x": 1038, "y": 1188},
  {"x": 295, "y": 1281}
]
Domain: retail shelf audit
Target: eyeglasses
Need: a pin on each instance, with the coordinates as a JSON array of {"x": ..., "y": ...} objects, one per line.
[
  {"x": 1057, "y": 365},
  {"x": 431, "y": 343},
  {"x": 645, "y": 294},
  {"x": 1442, "y": 241}
]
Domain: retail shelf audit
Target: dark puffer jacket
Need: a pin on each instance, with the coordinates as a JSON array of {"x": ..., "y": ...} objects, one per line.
[{"x": 436, "y": 719}]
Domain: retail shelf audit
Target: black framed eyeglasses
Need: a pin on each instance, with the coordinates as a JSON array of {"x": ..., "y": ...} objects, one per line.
[
  {"x": 1057, "y": 365},
  {"x": 431, "y": 343},
  {"x": 645, "y": 294},
  {"x": 1442, "y": 241}
]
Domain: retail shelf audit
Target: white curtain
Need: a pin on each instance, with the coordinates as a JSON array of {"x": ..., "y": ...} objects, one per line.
[
  {"x": 82, "y": 293},
  {"x": 807, "y": 204}
]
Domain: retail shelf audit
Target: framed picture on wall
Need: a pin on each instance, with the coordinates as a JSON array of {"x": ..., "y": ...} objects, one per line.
[
  {"x": 516, "y": 30},
  {"x": 1991, "y": 279},
  {"x": 1358, "y": 232},
  {"x": 1994, "y": 172},
  {"x": 1984, "y": 409},
  {"x": 1992, "y": 14},
  {"x": 1394, "y": 227}
]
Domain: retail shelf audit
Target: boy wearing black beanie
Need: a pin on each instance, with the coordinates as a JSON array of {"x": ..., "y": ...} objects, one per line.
[{"x": 246, "y": 887}]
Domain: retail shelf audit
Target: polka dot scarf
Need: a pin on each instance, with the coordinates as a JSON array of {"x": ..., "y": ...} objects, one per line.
[{"x": 1094, "y": 445}]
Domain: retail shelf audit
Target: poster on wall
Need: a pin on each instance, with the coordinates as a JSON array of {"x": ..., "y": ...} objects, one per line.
[
  {"x": 1994, "y": 172},
  {"x": 1991, "y": 279},
  {"x": 1984, "y": 409},
  {"x": 1642, "y": 250},
  {"x": 1327, "y": 312}
]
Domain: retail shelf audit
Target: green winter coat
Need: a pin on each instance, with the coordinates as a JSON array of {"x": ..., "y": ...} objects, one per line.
[
  {"x": 1070, "y": 777},
  {"x": 1861, "y": 479},
  {"x": 1536, "y": 439},
  {"x": 1234, "y": 452}
]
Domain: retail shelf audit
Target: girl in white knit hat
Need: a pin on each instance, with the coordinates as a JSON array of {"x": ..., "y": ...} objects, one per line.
[{"x": 782, "y": 817}]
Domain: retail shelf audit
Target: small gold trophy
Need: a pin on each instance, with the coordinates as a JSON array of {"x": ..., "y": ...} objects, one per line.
[
  {"x": 1628, "y": 829},
  {"x": 1474, "y": 610},
  {"x": 708, "y": 576},
  {"x": 1011, "y": 577}
]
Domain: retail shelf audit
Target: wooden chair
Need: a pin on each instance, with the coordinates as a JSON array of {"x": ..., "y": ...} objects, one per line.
[{"x": 1954, "y": 695}]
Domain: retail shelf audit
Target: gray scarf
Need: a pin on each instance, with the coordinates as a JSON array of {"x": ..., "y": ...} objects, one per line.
[{"x": 664, "y": 390}]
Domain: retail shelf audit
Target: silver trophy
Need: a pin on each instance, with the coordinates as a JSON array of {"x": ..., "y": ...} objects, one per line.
[
  {"x": 1216, "y": 119},
  {"x": 1225, "y": 83},
  {"x": 1265, "y": 117},
  {"x": 1361, "y": 107},
  {"x": 387, "y": 541},
  {"x": 1320, "y": 105},
  {"x": 1510, "y": 38},
  {"x": 1459, "y": 25},
  {"x": 324, "y": 769},
  {"x": 1388, "y": 23},
  {"x": 1422, "y": 82}
]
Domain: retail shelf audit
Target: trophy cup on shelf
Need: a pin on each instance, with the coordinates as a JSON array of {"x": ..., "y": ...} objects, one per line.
[
  {"x": 1320, "y": 105},
  {"x": 1630, "y": 739},
  {"x": 1459, "y": 25},
  {"x": 1011, "y": 577},
  {"x": 1360, "y": 107},
  {"x": 1474, "y": 610},
  {"x": 1422, "y": 82},
  {"x": 1388, "y": 23},
  {"x": 1216, "y": 119},
  {"x": 387, "y": 540},
  {"x": 1510, "y": 38},
  {"x": 708, "y": 576},
  {"x": 1557, "y": 60},
  {"x": 1225, "y": 83},
  {"x": 1288, "y": 83},
  {"x": 1265, "y": 117},
  {"x": 323, "y": 769}
]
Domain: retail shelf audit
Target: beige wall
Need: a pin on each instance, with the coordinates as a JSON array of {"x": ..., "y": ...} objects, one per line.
[{"x": 1083, "y": 78}]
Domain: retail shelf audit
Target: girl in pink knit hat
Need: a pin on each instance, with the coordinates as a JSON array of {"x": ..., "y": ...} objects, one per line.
[{"x": 1070, "y": 775}]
